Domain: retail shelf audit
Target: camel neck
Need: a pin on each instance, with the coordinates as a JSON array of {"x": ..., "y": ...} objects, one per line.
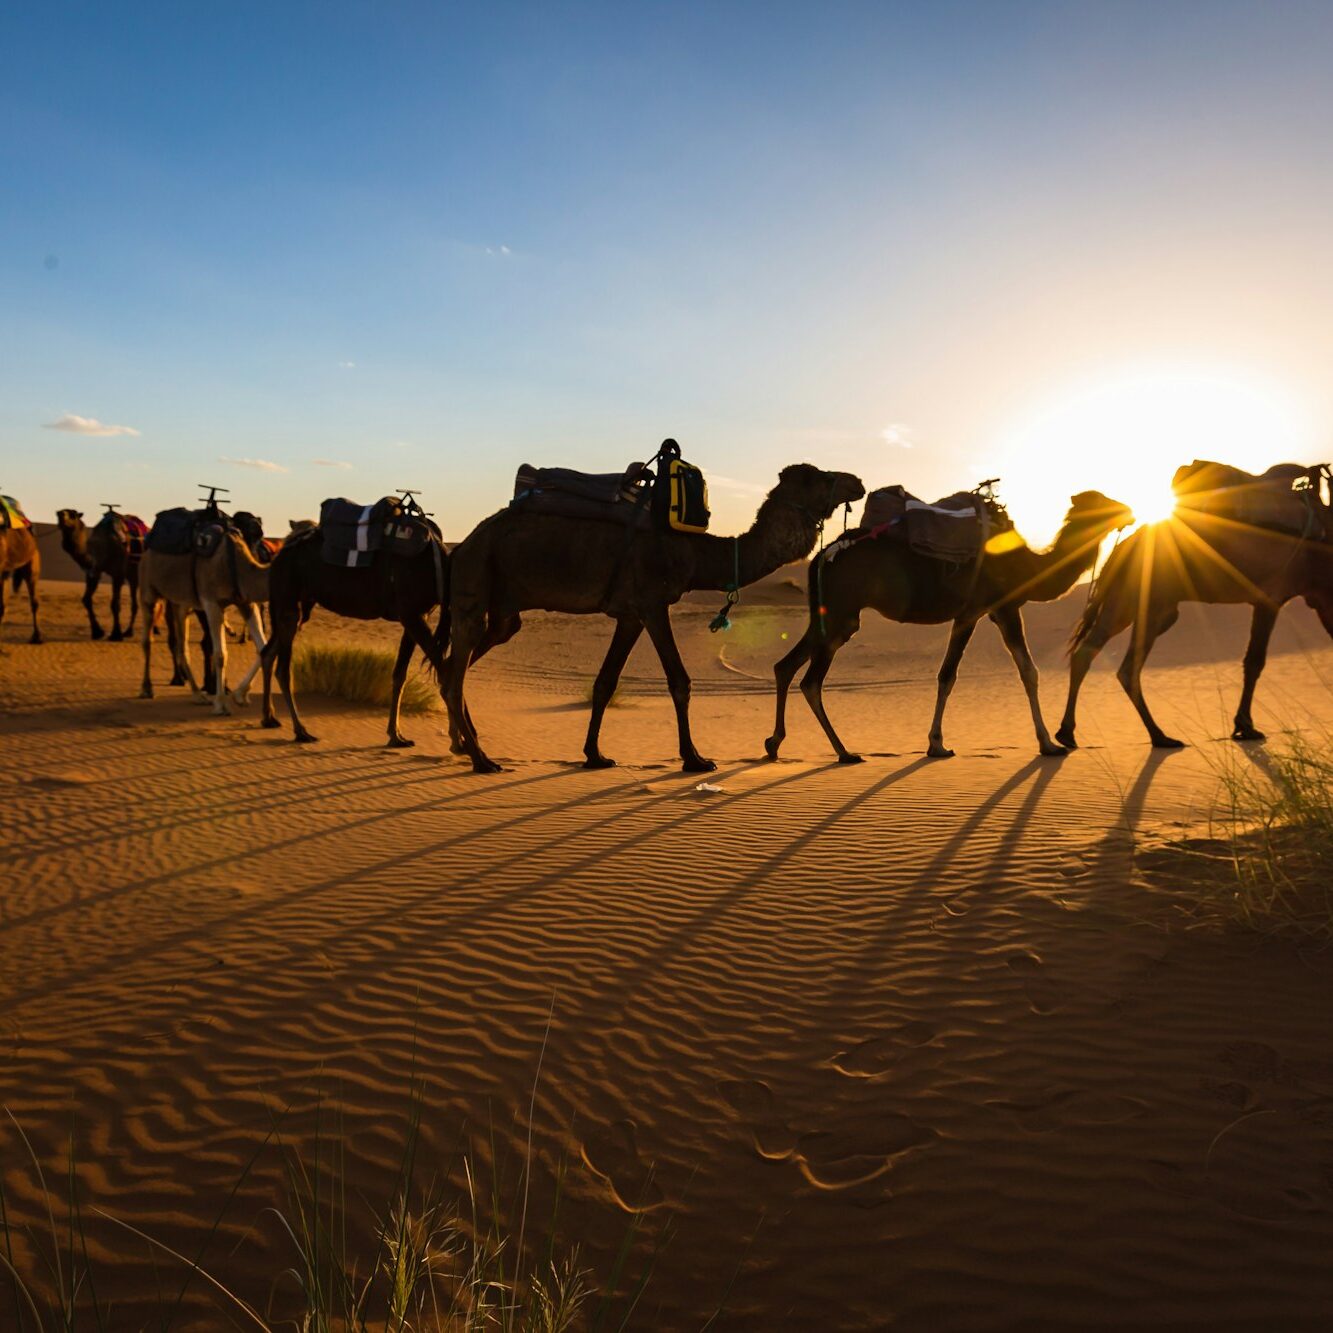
[
  {"x": 782, "y": 532},
  {"x": 75, "y": 545},
  {"x": 1072, "y": 554}
]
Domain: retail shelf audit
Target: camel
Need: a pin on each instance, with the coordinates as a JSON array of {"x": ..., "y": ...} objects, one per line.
[
  {"x": 231, "y": 576},
  {"x": 105, "y": 548},
  {"x": 20, "y": 563},
  {"x": 519, "y": 560},
  {"x": 402, "y": 588},
  {"x": 885, "y": 573},
  {"x": 1196, "y": 556}
]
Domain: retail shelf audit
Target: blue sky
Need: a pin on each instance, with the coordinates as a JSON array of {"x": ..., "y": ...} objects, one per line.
[{"x": 431, "y": 242}]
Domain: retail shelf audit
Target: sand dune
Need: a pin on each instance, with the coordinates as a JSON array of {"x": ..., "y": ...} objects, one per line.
[{"x": 909, "y": 1043}]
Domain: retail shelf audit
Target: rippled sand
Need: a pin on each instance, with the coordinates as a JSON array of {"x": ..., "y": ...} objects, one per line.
[{"x": 908, "y": 1043}]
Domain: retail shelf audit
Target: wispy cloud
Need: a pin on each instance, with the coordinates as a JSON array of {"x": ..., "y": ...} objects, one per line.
[
  {"x": 77, "y": 425},
  {"x": 503, "y": 251},
  {"x": 899, "y": 433},
  {"x": 331, "y": 462},
  {"x": 347, "y": 365},
  {"x": 262, "y": 464}
]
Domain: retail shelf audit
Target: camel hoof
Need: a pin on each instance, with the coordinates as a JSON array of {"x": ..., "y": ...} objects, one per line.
[
  {"x": 698, "y": 764},
  {"x": 270, "y": 724},
  {"x": 116, "y": 636},
  {"x": 97, "y": 632},
  {"x": 241, "y": 700},
  {"x": 598, "y": 761},
  {"x": 146, "y": 692},
  {"x": 771, "y": 748},
  {"x": 1065, "y": 737},
  {"x": 1053, "y": 751},
  {"x": 399, "y": 743},
  {"x": 850, "y": 758},
  {"x": 939, "y": 752},
  {"x": 1167, "y": 743},
  {"x": 36, "y": 637},
  {"x": 484, "y": 765},
  {"x": 1248, "y": 734},
  {"x": 305, "y": 738}
]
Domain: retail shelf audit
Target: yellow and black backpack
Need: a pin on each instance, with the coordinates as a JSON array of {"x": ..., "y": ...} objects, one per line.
[{"x": 680, "y": 496}]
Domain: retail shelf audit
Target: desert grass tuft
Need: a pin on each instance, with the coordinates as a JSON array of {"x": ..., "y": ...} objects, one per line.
[
  {"x": 1267, "y": 864},
  {"x": 360, "y": 676}
]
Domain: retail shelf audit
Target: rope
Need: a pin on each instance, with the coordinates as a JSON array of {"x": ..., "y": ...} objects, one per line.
[{"x": 722, "y": 619}]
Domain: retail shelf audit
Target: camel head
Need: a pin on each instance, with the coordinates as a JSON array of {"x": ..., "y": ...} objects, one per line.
[
  {"x": 250, "y": 526},
  {"x": 301, "y": 524},
  {"x": 73, "y": 535},
  {"x": 1091, "y": 511},
  {"x": 817, "y": 492}
]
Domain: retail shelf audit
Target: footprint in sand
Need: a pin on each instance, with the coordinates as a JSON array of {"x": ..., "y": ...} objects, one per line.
[
  {"x": 838, "y": 1159},
  {"x": 1041, "y": 992},
  {"x": 1072, "y": 1108},
  {"x": 612, "y": 1155},
  {"x": 869, "y": 1059},
  {"x": 830, "y": 1159},
  {"x": 753, "y": 1101}
]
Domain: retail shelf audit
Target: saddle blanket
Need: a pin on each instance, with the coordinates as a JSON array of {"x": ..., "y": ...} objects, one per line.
[
  {"x": 954, "y": 528},
  {"x": 11, "y": 513}
]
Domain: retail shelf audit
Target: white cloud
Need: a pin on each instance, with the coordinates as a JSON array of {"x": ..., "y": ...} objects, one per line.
[
  {"x": 347, "y": 365},
  {"x": 897, "y": 432},
  {"x": 261, "y": 463},
  {"x": 502, "y": 250},
  {"x": 77, "y": 425},
  {"x": 330, "y": 462}
]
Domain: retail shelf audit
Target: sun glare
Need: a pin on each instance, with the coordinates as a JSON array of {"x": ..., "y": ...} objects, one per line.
[{"x": 1126, "y": 435}]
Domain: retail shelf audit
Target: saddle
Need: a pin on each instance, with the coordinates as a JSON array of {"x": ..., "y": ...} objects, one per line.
[
  {"x": 129, "y": 530},
  {"x": 954, "y": 529},
  {"x": 1285, "y": 498},
  {"x": 200, "y": 532},
  {"x": 352, "y": 535},
  {"x": 12, "y": 515},
  {"x": 609, "y": 497},
  {"x": 675, "y": 497}
]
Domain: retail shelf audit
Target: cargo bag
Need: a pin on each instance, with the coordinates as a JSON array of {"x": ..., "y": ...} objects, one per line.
[
  {"x": 172, "y": 532},
  {"x": 954, "y": 529},
  {"x": 687, "y": 497},
  {"x": 352, "y": 533}
]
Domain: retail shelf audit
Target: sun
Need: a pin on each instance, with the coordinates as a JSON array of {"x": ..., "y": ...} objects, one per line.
[{"x": 1125, "y": 434}]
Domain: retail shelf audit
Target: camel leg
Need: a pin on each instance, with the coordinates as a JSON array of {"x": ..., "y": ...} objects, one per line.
[
  {"x": 658, "y": 624},
  {"x": 960, "y": 635},
  {"x": 405, "y": 646},
  {"x": 1256, "y": 654},
  {"x": 146, "y": 641},
  {"x": 255, "y": 621},
  {"x": 90, "y": 585},
  {"x": 117, "y": 587},
  {"x": 132, "y": 578},
  {"x": 1009, "y": 621},
  {"x": 1147, "y": 628},
  {"x": 217, "y": 629},
  {"x": 184, "y": 670},
  {"x": 284, "y": 628},
  {"x": 5, "y": 576},
  {"x": 628, "y": 629},
  {"x": 173, "y": 650},
  {"x": 498, "y": 631},
  {"x": 30, "y": 578},
  {"x": 825, "y": 649},
  {"x": 466, "y": 634},
  {"x": 1080, "y": 663},
  {"x": 784, "y": 672}
]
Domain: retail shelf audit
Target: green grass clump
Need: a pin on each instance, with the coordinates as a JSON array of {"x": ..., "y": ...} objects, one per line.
[
  {"x": 360, "y": 676},
  {"x": 1279, "y": 838}
]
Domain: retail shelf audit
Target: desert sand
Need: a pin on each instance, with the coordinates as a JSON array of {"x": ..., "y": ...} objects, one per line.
[{"x": 910, "y": 1043}]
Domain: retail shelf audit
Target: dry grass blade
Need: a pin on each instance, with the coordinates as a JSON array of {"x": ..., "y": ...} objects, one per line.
[{"x": 360, "y": 676}]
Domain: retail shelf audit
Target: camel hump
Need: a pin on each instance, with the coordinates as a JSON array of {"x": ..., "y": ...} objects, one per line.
[{"x": 1270, "y": 499}]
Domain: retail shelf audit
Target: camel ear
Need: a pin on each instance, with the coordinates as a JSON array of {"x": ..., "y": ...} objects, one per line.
[{"x": 78, "y": 513}]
